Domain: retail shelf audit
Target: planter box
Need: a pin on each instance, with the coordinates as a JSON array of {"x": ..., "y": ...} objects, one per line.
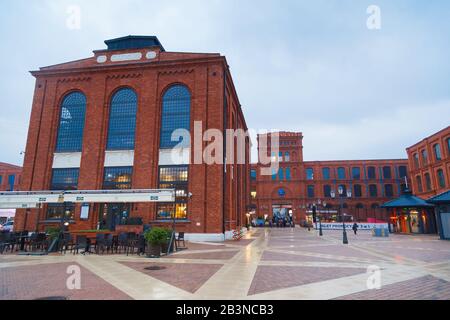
[{"x": 126, "y": 229}]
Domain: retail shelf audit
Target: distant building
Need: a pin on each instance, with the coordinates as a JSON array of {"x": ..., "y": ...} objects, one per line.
[
  {"x": 10, "y": 176},
  {"x": 299, "y": 184}
]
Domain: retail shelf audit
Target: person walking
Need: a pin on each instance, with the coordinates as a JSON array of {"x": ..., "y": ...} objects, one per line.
[{"x": 355, "y": 228}]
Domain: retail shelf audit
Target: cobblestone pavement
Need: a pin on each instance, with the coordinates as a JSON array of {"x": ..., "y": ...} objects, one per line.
[{"x": 269, "y": 264}]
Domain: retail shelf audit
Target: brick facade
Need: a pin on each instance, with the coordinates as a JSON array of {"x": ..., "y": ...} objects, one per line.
[
  {"x": 428, "y": 165},
  {"x": 219, "y": 197},
  {"x": 10, "y": 173},
  {"x": 293, "y": 193}
]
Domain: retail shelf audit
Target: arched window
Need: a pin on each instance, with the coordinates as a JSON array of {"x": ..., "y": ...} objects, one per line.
[
  {"x": 441, "y": 178},
  {"x": 122, "y": 120},
  {"x": 176, "y": 114},
  {"x": 419, "y": 183},
  {"x": 71, "y": 123},
  {"x": 387, "y": 173},
  {"x": 371, "y": 173},
  {"x": 327, "y": 191},
  {"x": 280, "y": 174},
  {"x": 288, "y": 174},
  {"x": 437, "y": 152},
  {"x": 326, "y": 173},
  {"x": 428, "y": 182},
  {"x": 341, "y": 173},
  {"x": 357, "y": 190}
]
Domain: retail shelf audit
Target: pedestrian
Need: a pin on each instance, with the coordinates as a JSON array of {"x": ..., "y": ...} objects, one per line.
[{"x": 355, "y": 228}]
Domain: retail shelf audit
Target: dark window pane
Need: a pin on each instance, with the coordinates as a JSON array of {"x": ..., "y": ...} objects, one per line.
[
  {"x": 311, "y": 192},
  {"x": 388, "y": 190},
  {"x": 253, "y": 175},
  {"x": 402, "y": 172},
  {"x": 419, "y": 183},
  {"x": 176, "y": 114},
  {"x": 71, "y": 123},
  {"x": 122, "y": 120},
  {"x": 65, "y": 179},
  {"x": 428, "y": 181},
  {"x": 356, "y": 173},
  {"x": 373, "y": 190},
  {"x": 371, "y": 173},
  {"x": 357, "y": 191},
  {"x": 327, "y": 191},
  {"x": 56, "y": 211},
  {"x": 437, "y": 152},
  {"x": 441, "y": 178},
  {"x": 387, "y": 172}
]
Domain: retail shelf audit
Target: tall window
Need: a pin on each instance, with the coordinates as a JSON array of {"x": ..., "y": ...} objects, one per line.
[
  {"x": 437, "y": 152},
  {"x": 176, "y": 114},
  {"x": 326, "y": 173},
  {"x": 1, "y": 179},
  {"x": 344, "y": 188},
  {"x": 419, "y": 183},
  {"x": 356, "y": 173},
  {"x": 118, "y": 178},
  {"x": 388, "y": 190},
  {"x": 280, "y": 174},
  {"x": 71, "y": 123},
  {"x": 274, "y": 174},
  {"x": 327, "y": 191},
  {"x": 122, "y": 120},
  {"x": 371, "y": 173},
  {"x": 416, "y": 161},
  {"x": 174, "y": 177},
  {"x": 357, "y": 190},
  {"x": 373, "y": 190},
  {"x": 288, "y": 174},
  {"x": 11, "y": 181},
  {"x": 441, "y": 178},
  {"x": 287, "y": 157},
  {"x": 387, "y": 172},
  {"x": 309, "y": 174},
  {"x": 65, "y": 179},
  {"x": 341, "y": 173},
  {"x": 424, "y": 157},
  {"x": 448, "y": 146},
  {"x": 311, "y": 192},
  {"x": 428, "y": 181},
  {"x": 402, "y": 172}
]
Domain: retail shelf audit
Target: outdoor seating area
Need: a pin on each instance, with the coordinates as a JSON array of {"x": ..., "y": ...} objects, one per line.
[{"x": 101, "y": 243}]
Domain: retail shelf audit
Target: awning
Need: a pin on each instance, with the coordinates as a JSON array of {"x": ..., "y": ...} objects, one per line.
[
  {"x": 33, "y": 199},
  {"x": 407, "y": 200},
  {"x": 443, "y": 198}
]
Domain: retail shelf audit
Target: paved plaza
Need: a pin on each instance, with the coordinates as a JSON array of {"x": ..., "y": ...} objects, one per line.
[{"x": 269, "y": 264}]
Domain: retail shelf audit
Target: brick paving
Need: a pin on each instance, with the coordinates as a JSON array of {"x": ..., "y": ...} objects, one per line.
[
  {"x": 221, "y": 255},
  {"x": 424, "y": 288},
  {"x": 189, "y": 277},
  {"x": 268, "y": 278},
  {"x": 278, "y": 256},
  {"x": 49, "y": 280}
]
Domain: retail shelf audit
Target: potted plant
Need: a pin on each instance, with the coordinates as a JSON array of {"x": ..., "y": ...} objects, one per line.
[
  {"x": 165, "y": 244},
  {"x": 155, "y": 238}
]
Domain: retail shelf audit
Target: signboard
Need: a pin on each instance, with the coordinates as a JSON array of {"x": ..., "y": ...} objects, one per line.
[
  {"x": 349, "y": 226},
  {"x": 84, "y": 215}
]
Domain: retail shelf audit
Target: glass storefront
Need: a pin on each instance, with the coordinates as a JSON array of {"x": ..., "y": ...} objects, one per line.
[{"x": 174, "y": 177}]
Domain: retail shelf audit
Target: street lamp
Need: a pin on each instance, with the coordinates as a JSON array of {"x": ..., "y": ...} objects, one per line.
[
  {"x": 320, "y": 218},
  {"x": 341, "y": 206}
]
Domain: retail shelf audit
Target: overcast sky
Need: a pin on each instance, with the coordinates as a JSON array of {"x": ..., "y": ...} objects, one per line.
[{"x": 309, "y": 66}]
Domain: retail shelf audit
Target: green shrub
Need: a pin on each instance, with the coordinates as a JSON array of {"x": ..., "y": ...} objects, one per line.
[
  {"x": 156, "y": 236},
  {"x": 53, "y": 232}
]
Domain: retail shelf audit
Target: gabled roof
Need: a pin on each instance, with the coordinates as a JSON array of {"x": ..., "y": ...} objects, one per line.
[
  {"x": 407, "y": 200},
  {"x": 440, "y": 198}
]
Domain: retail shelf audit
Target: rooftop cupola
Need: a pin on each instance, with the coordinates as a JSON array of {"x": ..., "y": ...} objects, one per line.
[{"x": 133, "y": 42}]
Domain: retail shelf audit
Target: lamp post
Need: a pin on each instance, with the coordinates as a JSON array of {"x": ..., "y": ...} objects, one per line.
[
  {"x": 341, "y": 206},
  {"x": 320, "y": 218}
]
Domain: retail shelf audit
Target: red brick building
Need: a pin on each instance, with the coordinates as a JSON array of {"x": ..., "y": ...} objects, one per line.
[
  {"x": 106, "y": 122},
  {"x": 429, "y": 163},
  {"x": 10, "y": 176},
  {"x": 298, "y": 184}
]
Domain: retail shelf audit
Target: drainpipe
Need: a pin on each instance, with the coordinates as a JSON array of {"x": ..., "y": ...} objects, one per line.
[{"x": 225, "y": 118}]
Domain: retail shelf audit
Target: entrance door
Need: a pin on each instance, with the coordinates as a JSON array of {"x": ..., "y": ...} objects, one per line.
[{"x": 113, "y": 214}]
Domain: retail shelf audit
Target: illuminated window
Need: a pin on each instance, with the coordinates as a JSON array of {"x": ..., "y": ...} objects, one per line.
[
  {"x": 174, "y": 177},
  {"x": 122, "y": 120},
  {"x": 117, "y": 178},
  {"x": 176, "y": 114},
  {"x": 56, "y": 211},
  {"x": 253, "y": 194},
  {"x": 71, "y": 123}
]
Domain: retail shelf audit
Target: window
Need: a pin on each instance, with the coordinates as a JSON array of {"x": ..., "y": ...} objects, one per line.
[
  {"x": 176, "y": 114},
  {"x": 387, "y": 173},
  {"x": 424, "y": 157},
  {"x": 56, "y": 211},
  {"x": 344, "y": 188},
  {"x": 122, "y": 120},
  {"x": 311, "y": 192},
  {"x": 287, "y": 157},
  {"x": 356, "y": 173},
  {"x": 441, "y": 178},
  {"x": 341, "y": 173},
  {"x": 253, "y": 174},
  {"x": 437, "y": 152},
  {"x": 280, "y": 174},
  {"x": 253, "y": 194},
  {"x": 416, "y": 161},
  {"x": 118, "y": 178},
  {"x": 373, "y": 190},
  {"x": 371, "y": 173},
  {"x": 11, "y": 181},
  {"x": 1, "y": 180},
  {"x": 428, "y": 181},
  {"x": 280, "y": 156},
  {"x": 327, "y": 191},
  {"x": 174, "y": 177},
  {"x": 357, "y": 190},
  {"x": 388, "y": 190},
  {"x": 326, "y": 173},
  {"x": 402, "y": 172},
  {"x": 419, "y": 183},
  {"x": 274, "y": 174},
  {"x": 65, "y": 179},
  {"x": 71, "y": 123},
  {"x": 309, "y": 174},
  {"x": 448, "y": 146},
  {"x": 288, "y": 174}
]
